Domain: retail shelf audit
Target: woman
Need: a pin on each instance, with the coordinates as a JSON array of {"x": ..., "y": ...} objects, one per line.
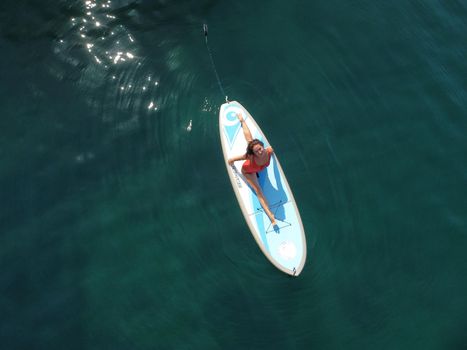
[{"x": 256, "y": 159}]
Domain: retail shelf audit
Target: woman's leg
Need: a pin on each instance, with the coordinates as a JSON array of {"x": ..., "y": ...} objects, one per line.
[
  {"x": 246, "y": 131},
  {"x": 253, "y": 181}
]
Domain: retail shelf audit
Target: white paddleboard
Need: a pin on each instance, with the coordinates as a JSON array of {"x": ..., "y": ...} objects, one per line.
[{"x": 285, "y": 247}]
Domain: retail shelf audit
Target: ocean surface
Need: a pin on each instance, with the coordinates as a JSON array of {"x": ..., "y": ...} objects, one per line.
[{"x": 119, "y": 228}]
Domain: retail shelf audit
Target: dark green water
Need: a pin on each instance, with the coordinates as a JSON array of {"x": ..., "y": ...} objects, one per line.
[{"x": 119, "y": 228}]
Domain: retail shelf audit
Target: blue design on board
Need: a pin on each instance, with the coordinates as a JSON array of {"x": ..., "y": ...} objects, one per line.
[
  {"x": 274, "y": 196},
  {"x": 232, "y": 126}
]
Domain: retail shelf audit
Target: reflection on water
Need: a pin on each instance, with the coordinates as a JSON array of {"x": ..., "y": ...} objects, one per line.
[
  {"x": 130, "y": 60},
  {"x": 114, "y": 74}
]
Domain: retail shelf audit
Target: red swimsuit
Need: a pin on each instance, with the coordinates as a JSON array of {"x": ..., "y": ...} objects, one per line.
[{"x": 250, "y": 166}]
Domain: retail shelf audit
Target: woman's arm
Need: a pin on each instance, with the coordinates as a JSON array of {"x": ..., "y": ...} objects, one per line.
[
  {"x": 246, "y": 130},
  {"x": 234, "y": 159}
]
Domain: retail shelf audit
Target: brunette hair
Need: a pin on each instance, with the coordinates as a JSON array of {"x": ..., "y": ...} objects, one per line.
[{"x": 251, "y": 144}]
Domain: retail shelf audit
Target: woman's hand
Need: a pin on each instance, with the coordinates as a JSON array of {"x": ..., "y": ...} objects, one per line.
[
  {"x": 231, "y": 161},
  {"x": 240, "y": 117}
]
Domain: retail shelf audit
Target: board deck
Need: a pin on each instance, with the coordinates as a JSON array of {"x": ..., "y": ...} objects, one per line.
[{"x": 284, "y": 245}]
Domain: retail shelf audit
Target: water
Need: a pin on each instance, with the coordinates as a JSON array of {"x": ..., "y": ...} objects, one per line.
[{"x": 119, "y": 228}]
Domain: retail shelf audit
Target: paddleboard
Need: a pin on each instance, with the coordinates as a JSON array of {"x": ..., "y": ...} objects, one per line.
[{"x": 284, "y": 245}]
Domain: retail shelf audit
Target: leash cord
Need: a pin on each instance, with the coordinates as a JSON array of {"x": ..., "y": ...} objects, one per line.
[{"x": 205, "y": 29}]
